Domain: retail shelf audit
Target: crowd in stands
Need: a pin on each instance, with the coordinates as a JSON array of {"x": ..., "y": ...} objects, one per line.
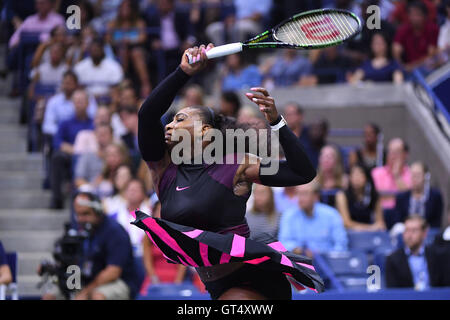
[{"x": 84, "y": 87}]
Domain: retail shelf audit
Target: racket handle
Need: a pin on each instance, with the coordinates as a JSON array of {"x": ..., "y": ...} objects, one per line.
[{"x": 224, "y": 50}]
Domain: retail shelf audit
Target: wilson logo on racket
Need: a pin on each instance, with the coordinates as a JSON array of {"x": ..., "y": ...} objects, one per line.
[{"x": 322, "y": 30}]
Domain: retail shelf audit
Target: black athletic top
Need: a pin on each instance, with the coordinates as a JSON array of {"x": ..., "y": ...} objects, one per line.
[{"x": 201, "y": 195}]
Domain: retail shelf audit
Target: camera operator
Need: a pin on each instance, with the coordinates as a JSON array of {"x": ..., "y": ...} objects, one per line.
[{"x": 107, "y": 265}]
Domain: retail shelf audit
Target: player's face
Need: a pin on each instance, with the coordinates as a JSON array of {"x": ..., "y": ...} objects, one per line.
[{"x": 185, "y": 119}]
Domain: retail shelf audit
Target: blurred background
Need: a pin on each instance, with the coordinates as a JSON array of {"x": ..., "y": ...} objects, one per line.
[{"x": 373, "y": 115}]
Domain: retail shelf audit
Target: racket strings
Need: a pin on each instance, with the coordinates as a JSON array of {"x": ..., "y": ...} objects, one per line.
[{"x": 318, "y": 29}]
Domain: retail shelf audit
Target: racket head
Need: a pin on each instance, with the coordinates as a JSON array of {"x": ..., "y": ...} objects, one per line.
[{"x": 317, "y": 29}]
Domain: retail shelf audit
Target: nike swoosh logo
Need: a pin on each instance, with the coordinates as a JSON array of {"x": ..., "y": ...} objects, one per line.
[{"x": 181, "y": 189}]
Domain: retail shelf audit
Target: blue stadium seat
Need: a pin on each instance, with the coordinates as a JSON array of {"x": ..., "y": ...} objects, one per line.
[
  {"x": 369, "y": 242},
  {"x": 350, "y": 268},
  {"x": 11, "y": 289},
  {"x": 347, "y": 263},
  {"x": 170, "y": 291}
]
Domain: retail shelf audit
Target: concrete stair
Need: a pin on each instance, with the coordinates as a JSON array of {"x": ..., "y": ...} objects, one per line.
[{"x": 27, "y": 226}]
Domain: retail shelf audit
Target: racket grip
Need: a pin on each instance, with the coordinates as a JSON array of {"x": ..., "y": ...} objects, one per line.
[{"x": 224, "y": 50}]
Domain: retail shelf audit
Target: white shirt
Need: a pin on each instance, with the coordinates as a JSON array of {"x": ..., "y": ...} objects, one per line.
[
  {"x": 48, "y": 74},
  {"x": 59, "y": 109},
  {"x": 116, "y": 207},
  {"x": 98, "y": 79},
  {"x": 444, "y": 35}
]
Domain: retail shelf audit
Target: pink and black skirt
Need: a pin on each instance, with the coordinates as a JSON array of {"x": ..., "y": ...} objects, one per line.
[{"x": 198, "y": 248}]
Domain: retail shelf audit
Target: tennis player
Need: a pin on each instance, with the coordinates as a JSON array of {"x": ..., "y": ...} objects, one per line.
[{"x": 203, "y": 205}]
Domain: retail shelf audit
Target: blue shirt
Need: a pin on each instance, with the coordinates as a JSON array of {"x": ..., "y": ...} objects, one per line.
[
  {"x": 68, "y": 130},
  {"x": 322, "y": 232},
  {"x": 286, "y": 73},
  {"x": 111, "y": 245},
  {"x": 247, "y": 78},
  {"x": 385, "y": 74},
  {"x": 59, "y": 109},
  {"x": 282, "y": 202},
  {"x": 2, "y": 255},
  {"x": 419, "y": 268}
]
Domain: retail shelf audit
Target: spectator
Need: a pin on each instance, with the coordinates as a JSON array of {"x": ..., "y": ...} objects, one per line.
[
  {"x": 97, "y": 72},
  {"x": 127, "y": 35},
  {"x": 81, "y": 44},
  {"x": 246, "y": 115},
  {"x": 116, "y": 155},
  {"x": 50, "y": 73},
  {"x": 230, "y": 104},
  {"x": 400, "y": 14},
  {"x": 262, "y": 216},
  {"x": 237, "y": 75},
  {"x": 108, "y": 269},
  {"x": 135, "y": 198},
  {"x": 42, "y": 22},
  {"x": 193, "y": 95},
  {"x": 317, "y": 136},
  {"x": 157, "y": 268},
  {"x": 415, "y": 266},
  {"x": 247, "y": 21},
  {"x": 175, "y": 35},
  {"x": 14, "y": 13},
  {"x": 129, "y": 117},
  {"x": 285, "y": 69},
  {"x": 371, "y": 154},
  {"x": 380, "y": 67},
  {"x": 89, "y": 165},
  {"x": 294, "y": 114},
  {"x": 312, "y": 227},
  {"x": 116, "y": 201},
  {"x": 359, "y": 204},
  {"x": 60, "y": 107},
  {"x": 422, "y": 199},
  {"x": 104, "y": 12},
  {"x": 330, "y": 174},
  {"x": 285, "y": 198},
  {"x": 415, "y": 40},
  {"x": 5, "y": 271},
  {"x": 86, "y": 140},
  {"x": 395, "y": 176},
  {"x": 123, "y": 95},
  {"x": 42, "y": 53},
  {"x": 444, "y": 31},
  {"x": 329, "y": 66},
  {"x": 61, "y": 163}
]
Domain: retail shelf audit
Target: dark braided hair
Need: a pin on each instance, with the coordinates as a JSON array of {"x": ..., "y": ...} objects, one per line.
[{"x": 221, "y": 122}]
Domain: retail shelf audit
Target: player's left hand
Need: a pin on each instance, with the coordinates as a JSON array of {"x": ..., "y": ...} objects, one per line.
[{"x": 265, "y": 102}]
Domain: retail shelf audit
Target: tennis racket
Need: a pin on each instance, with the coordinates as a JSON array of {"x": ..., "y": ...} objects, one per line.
[{"x": 313, "y": 29}]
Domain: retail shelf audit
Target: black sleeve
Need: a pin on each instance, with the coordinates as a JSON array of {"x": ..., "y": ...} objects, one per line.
[
  {"x": 296, "y": 169},
  {"x": 150, "y": 129}
]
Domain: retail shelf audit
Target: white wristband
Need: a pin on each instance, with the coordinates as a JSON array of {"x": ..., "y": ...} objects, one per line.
[{"x": 279, "y": 125}]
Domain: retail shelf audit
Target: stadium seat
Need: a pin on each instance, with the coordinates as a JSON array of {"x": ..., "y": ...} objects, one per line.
[
  {"x": 369, "y": 242},
  {"x": 170, "y": 291},
  {"x": 350, "y": 268},
  {"x": 11, "y": 288}
]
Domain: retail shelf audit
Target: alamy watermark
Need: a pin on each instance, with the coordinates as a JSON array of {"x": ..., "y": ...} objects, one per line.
[
  {"x": 74, "y": 279},
  {"x": 373, "y": 282},
  {"x": 234, "y": 141},
  {"x": 73, "y": 22}
]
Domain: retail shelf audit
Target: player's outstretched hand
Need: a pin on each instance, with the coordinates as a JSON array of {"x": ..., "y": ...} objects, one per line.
[
  {"x": 197, "y": 55},
  {"x": 265, "y": 103}
]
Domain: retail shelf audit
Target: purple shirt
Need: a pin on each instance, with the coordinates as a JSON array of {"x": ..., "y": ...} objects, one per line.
[{"x": 35, "y": 24}]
